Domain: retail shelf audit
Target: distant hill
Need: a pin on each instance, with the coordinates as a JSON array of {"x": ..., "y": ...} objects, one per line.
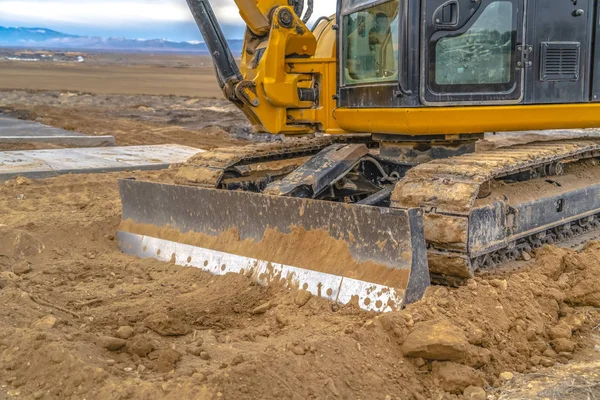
[{"x": 49, "y": 39}]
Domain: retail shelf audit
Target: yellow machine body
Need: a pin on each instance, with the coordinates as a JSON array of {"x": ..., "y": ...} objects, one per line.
[{"x": 279, "y": 60}]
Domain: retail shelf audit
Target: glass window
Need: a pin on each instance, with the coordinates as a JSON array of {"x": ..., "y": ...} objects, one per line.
[
  {"x": 483, "y": 55},
  {"x": 371, "y": 45}
]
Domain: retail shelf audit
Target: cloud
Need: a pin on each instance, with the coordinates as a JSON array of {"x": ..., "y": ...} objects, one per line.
[
  {"x": 94, "y": 13},
  {"x": 118, "y": 12},
  {"x": 132, "y": 18}
]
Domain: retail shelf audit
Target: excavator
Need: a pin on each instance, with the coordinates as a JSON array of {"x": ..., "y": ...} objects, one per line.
[{"x": 375, "y": 187}]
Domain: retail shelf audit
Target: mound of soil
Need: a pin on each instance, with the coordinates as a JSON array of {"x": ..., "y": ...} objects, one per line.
[
  {"x": 81, "y": 320},
  {"x": 131, "y": 119}
]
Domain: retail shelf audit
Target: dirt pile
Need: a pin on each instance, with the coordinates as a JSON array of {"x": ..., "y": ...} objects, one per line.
[
  {"x": 82, "y": 320},
  {"x": 131, "y": 119}
]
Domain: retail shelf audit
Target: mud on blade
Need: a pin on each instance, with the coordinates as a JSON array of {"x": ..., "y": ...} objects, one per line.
[{"x": 344, "y": 253}]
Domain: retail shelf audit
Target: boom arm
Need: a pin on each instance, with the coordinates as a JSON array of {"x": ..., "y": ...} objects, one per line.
[
  {"x": 228, "y": 73},
  {"x": 282, "y": 86}
]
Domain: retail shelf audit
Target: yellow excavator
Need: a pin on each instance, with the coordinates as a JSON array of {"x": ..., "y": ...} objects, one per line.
[{"x": 374, "y": 187}]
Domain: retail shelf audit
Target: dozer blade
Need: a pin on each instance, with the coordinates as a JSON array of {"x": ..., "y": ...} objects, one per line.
[{"x": 373, "y": 257}]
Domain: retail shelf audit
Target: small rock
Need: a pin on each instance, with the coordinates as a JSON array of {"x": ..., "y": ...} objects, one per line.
[
  {"x": 9, "y": 277},
  {"x": 575, "y": 321},
  {"x": 455, "y": 378},
  {"x": 548, "y": 362},
  {"x": 440, "y": 340},
  {"x": 47, "y": 322},
  {"x": 166, "y": 326},
  {"x": 22, "y": 268},
  {"x": 57, "y": 356},
  {"x": 165, "y": 360},
  {"x": 526, "y": 256},
  {"x": 39, "y": 394},
  {"x": 204, "y": 355},
  {"x": 110, "y": 363},
  {"x": 127, "y": 369},
  {"x": 112, "y": 343},
  {"x": 263, "y": 308},
  {"x": 330, "y": 384},
  {"x": 531, "y": 335},
  {"x": 302, "y": 298},
  {"x": 562, "y": 330},
  {"x": 550, "y": 353},
  {"x": 562, "y": 345},
  {"x": 198, "y": 378},
  {"x": 195, "y": 350},
  {"x": 568, "y": 356},
  {"x": 125, "y": 332},
  {"x": 141, "y": 346},
  {"x": 500, "y": 284},
  {"x": 535, "y": 360},
  {"x": 476, "y": 336},
  {"x": 237, "y": 360},
  {"x": 22, "y": 181},
  {"x": 141, "y": 368},
  {"x": 419, "y": 362},
  {"x": 281, "y": 320},
  {"x": 506, "y": 376},
  {"x": 298, "y": 350},
  {"x": 474, "y": 393},
  {"x": 471, "y": 284}
]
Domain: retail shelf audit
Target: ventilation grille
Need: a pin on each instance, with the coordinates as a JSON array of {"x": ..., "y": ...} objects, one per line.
[{"x": 560, "y": 61}]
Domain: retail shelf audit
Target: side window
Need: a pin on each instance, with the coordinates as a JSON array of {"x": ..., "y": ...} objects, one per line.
[
  {"x": 370, "y": 41},
  {"x": 480, "y": 59}
]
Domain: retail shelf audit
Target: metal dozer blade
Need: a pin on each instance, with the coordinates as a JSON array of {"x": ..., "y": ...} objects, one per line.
[{"x": 373, "y": 257}]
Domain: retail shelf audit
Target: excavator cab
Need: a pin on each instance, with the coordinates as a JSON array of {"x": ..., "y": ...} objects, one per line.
[
  {"x": 375, "y": 187},
  {"x": 443, "y": 53}
]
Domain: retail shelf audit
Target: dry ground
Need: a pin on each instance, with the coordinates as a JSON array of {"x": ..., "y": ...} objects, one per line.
[
  {"x": 135, "y": 74},
  {"x": 80, "y": 320}
]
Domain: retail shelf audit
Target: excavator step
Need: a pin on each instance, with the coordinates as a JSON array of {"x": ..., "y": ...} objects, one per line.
[{"x": 373, "y": 257}]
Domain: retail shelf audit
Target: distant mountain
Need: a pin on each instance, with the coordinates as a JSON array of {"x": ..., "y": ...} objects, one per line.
[
  {"x": 53, "y": 40},
  {"x": 30, "y": 34}
]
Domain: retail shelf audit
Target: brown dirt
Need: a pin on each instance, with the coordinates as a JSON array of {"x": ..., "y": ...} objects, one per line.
[
  {"x": 131, "y": 119},
  {"x": 81, "y": 320},
  {"x": 192, "y": 335},
  {"x": 169, "y": 74}
]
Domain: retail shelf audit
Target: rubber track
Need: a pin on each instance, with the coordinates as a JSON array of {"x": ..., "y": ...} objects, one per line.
[
  {"x": 431, "y": 185},
  {"x": 211, "y": 166},
  {"x": 451, "y": 186}
]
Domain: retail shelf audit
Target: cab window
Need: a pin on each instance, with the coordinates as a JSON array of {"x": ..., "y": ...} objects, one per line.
[
  {"x": 482, "y": 58},
  {"x": 370, "y": 40}
]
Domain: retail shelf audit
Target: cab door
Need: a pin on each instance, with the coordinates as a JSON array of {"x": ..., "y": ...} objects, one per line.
[
  {"x": 472, "y": 52},
  {"x": 378, "y": 53}
]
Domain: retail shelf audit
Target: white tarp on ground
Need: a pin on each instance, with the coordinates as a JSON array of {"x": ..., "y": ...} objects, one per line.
[
  {"x": 16, "y": 131},
  {"x": 48, "y": 163}
]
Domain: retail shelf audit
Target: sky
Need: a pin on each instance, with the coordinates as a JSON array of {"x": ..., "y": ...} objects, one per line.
[{"x": 136, "y": 19}]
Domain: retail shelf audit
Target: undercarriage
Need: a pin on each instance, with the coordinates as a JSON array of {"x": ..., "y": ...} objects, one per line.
[{"x": 481, "y": 209}]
